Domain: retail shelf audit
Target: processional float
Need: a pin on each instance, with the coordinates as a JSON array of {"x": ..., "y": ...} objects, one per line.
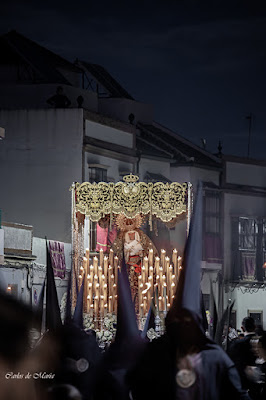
[{"x": 119, "y": 210}]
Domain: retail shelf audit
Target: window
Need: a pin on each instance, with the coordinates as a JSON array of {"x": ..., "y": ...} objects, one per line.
[
  {"x": 232, "y": 321},
  {"x": 212, "y": 249},
  {"x": 257, "y": 315},
  {"x": 248, "y": 248},
  {"x": 97, "y": 174}
]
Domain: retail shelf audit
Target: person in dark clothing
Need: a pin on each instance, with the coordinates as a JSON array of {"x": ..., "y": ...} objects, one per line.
[
  {"x": 184, "y": 364},
  {"x": 59, "y": 100},
  {"x": 243, "y": 355}
]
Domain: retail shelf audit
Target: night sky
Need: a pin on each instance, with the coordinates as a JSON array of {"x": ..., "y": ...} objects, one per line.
[{"x": 202, "y": 64}]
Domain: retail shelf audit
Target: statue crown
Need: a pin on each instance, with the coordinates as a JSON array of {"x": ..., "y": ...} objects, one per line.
[{"x": 130, "y": 178}]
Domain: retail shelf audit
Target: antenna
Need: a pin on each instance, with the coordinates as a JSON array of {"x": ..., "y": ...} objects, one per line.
[{"x": 249, "y": 117}]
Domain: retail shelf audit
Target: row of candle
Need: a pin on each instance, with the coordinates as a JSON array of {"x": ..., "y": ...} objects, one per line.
[
  {"x": 100, "y": 284},
  {"x": 158, "y": 277}
]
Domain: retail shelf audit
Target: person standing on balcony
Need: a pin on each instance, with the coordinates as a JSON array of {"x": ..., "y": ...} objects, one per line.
[{"x": 59, "y": 100}]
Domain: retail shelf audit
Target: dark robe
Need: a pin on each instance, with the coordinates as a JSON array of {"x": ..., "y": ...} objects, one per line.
[
  {"x": 154, "y": 376},
  {"x": 242, "y": 354}
]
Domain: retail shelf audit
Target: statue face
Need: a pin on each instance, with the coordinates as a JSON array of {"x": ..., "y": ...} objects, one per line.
[
  {"x": 130, "y": 224},
  {"x": 131, "y": 236}
]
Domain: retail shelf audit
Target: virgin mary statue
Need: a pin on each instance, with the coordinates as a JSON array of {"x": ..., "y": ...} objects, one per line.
[{"x": 134, "y": 244}]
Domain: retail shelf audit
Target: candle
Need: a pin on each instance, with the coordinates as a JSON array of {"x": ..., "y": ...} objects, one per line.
[
  {"x": 111, "y": 257},
  {"x": 80, "y": 280},
  {"x": 97, "y": 286},
  {"x": 95, "y": 281},
  {"x": 179, "y": 267},
  {"x": 89, "y": 294},
  {"x": 151, "y": 272},
  {"x": 105, "y": 265},
  {"x": 109, "y": 278},
  {"x": 101, "y": 305},
  {"x": 143, "y": 274},
  {"x": 160, "y": 274},
  {"x": 87, "y": 252},
  {"x": 167, "y": 264},
  {"x": 111, "y": 285},
  {"x": 156, "y": 264},
  {"x": 114, "y": 291},
  {"x": 157, "y": 297},
  {"x": 95, "y": 262},
  {"x": 169, "y": 278},
  {"x": 96, "y": 306},
  {"x": 91, "y": 272},
  {"x": 145, "y": 264},
  {"x": 160, "y": 303},
  {"x": 101, "y": 257},
  {"x": 174, "y": 259},
  {"x": 162, "y": 257},
  {"x": 110, "y": 302},
  {"x": 151, "y": 257},
  {"x": 115, "y": 302},
  {"x": 150, "y": 282},
  {"x": 144, "y": 305},
  {"x": 116, "y": 267},
  {"x": 172, "y": 291},
  {"x": 105, "y": 292}
]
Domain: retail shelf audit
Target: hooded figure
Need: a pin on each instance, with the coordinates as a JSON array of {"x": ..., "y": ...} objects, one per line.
[
  {"x": 80, "y": 352},
  {"x": 124, "y": 353},
  {"x": 184, "y": 363}
]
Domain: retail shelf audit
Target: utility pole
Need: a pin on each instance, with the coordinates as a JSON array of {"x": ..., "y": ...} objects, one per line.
[{"x": 249, "y": 117}]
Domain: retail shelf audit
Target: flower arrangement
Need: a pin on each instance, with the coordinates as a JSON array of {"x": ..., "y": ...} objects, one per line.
[
  {"x": 151, "y": 334},
  {"x": 88, "y": 321},
  {"x": 107, "y": 332}
]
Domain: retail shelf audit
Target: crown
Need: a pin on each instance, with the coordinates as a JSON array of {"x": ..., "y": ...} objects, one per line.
[{"x": 130, "y": 178}]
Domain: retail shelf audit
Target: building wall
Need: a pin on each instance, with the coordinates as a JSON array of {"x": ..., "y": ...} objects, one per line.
[
  {"x": 15, "y": 276},
  {"x": 108, "y": 134},
  {"x": 153, "y": 166},
  {"x": 40, "y": 157},
  {"x": 245, "y": 301},
  {"x": 246, "y": 174},
  {"x": 194, "y": 175}
]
